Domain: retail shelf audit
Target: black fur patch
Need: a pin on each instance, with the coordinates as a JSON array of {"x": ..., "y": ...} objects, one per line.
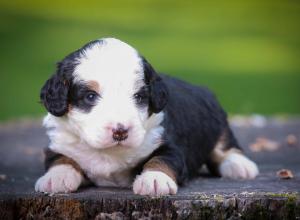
[
  {"x": 193, "y": 122},
  {"x": 158, "y": 92},
  {"x": 55, "y": 94}
]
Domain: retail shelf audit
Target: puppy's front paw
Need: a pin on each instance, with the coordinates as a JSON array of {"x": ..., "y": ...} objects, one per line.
[
  {"x": 238, "y": 166},
  {"x": 59, "y": 179},
  {"x": 154, "y": 183}
]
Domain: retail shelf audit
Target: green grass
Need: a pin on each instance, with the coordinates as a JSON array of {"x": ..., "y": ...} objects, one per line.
[{"x": 247, "y": 52}]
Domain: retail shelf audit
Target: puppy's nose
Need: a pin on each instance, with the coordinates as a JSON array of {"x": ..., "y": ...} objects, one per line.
[{"x": 120, "y": 133}]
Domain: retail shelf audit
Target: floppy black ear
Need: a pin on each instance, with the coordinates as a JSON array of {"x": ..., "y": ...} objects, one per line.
[
  {"x": 54, "y": 95},
  {"x": 158, "y": 89}
]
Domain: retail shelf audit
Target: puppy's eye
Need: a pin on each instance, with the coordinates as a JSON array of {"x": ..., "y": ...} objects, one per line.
[
  {"x": 90, "y": 97},
  {"x": 140, "y": 97}
]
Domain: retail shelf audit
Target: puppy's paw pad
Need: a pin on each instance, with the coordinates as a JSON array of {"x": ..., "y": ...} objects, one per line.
[
  {"x": 238, "y": 166},
  {"x": 59, "y": 179},
  {"x": 154, "y": 183}
]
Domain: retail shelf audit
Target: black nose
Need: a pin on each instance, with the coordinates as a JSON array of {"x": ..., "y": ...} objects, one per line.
[{"x": 120, "y": 133}]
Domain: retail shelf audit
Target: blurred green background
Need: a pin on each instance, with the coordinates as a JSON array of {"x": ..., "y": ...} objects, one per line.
[{"x": 247, "y": 52}]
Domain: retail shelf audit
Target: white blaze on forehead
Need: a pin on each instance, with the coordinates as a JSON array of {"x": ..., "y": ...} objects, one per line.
[{"x": 111, "y": 63}]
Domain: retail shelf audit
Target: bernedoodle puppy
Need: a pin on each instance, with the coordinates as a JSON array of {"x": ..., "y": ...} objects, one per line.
[{"x": 114, "y": 121}]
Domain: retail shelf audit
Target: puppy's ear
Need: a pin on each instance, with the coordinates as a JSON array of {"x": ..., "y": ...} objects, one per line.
[
  {"x": 158, "y": 89},
  {"x": 54, "y": 94}
]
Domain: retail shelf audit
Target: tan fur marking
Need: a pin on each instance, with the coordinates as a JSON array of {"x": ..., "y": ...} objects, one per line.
[
  {"x": 219, "y": 153},
  {"x": 155, "y": 164},
  {"x": 93, "y": 85},
  {"x": 70, "y": 107},
  {"x": 66, "y": 160}
]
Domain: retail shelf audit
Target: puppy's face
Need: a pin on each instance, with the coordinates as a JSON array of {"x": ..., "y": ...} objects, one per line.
[{"x": 106, "y": 93}]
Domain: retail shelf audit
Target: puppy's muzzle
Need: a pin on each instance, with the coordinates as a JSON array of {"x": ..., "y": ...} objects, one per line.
[{"x": 120, "y": 133}]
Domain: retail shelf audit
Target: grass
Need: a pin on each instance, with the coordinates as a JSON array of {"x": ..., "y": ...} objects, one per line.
[{"x": 247, "y": 52}]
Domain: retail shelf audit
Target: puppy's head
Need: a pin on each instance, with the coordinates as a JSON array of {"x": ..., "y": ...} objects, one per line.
[{"x": 106, "y": 93}]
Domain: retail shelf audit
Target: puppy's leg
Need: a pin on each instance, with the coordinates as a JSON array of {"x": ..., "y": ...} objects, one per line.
[
  {"x": 229, "y": 161},
  {"x": 160, "y": 175},
  {"x": 63, "y": 175}
]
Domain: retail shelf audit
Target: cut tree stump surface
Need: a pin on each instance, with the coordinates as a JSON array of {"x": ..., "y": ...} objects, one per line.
[{"x": 268, "y": 196}]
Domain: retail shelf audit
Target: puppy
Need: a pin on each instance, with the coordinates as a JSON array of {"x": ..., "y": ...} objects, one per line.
[{"x": 114, "y": 121}]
